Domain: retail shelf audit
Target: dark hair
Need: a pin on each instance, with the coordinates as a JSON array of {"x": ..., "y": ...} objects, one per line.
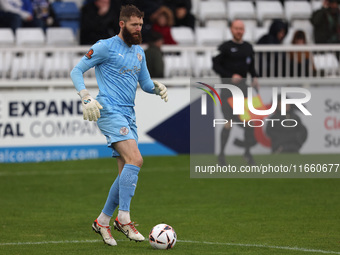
[
  {"x": 128, "y": 11},
  {"x": 299, "y": 35}
]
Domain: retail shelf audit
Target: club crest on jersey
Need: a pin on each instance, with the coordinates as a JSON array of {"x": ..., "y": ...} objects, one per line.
[
  {"x": 139, "y": 56},
  {"x": 124, "y": 131},
  {"x": 89, "y": 54}
]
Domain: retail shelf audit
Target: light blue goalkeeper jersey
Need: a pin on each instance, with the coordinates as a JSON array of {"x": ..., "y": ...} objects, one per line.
[{"x": 118, "y": 68}]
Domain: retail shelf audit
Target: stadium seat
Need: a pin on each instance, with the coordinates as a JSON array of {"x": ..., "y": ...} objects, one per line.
[
  {"x": 212, "y": 10},
  {"x": 6, "y": 36},
  {"x": 28, "y": 64},
  {"x": 240, "y": 10},
  {"x": 220, "y": 23},
  {"x": 327, "y": 63},
  {"x": 268, "y": 10},
  {"x": 209, "y": 36},
  {"x": 6, "y": 40},
  {"x": 62, "y": 36},
  {"x": 297, "y": 10},
  {"x": 259, "y": 32},
  {"x": 67, "y": 14},
  {"x": 183, "y": 35},
  {"x": 58, "y": 63},
  {"x": 316, "y": 5},
  {"x": 202, "y": 66},
  {"x": 176, "y": 65},
  {"x": 30, "y": 36}
]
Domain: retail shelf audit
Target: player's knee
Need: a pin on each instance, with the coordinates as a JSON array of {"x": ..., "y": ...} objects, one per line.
[
  {"x": 135, "y": 160},
  {"x": 138, "y": 161}
]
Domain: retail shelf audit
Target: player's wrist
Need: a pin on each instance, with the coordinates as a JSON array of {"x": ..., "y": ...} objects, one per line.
[{"x": 83, "y": 93}]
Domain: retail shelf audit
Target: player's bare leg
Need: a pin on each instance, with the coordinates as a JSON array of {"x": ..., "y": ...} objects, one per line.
[{"x": 129, "y": 164}]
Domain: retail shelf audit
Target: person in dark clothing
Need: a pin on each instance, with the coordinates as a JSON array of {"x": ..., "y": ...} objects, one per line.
[
  {"x": 182, "y": 12},
  {"x": 326, "y": 23},
  {"x": 235, "y": 61},
  {"x": 154, "y": 56},
  {"x": 99, "y": 20},
  {"x": 151, "y": 9},
  {"x": 277, "y": 32},
  {"x": 286, "y": 139},
  {"x": 300, "y": 59}
]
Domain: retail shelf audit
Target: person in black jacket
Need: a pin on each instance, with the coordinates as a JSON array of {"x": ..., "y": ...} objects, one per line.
[
  {"x": 277, "y": 32},
  {"x": 235, "y": 61},
  {"x": 182, "y": 12},
  {"x": 99, "y": 20},
  {"x": 326, "y": 22},
  {"x": 286, "y": 139}
]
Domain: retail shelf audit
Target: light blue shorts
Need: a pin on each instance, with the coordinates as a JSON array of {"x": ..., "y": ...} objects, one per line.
[{"x": 116, "y": 127}]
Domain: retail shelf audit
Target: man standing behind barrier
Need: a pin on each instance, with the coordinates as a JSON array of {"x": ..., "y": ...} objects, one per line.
[
  {"x": 235, "y": 61},
  {"x": 326, "y": 22},
  {"x": 120, "y": 63}
]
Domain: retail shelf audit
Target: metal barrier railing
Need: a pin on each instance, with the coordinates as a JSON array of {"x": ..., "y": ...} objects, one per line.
[{"x": 34, "y": 65}]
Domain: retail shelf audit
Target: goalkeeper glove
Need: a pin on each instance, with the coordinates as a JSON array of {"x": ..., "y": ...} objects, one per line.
[
  {"x": 161, "y": 90},
  {"x": 90, "y": 106}
]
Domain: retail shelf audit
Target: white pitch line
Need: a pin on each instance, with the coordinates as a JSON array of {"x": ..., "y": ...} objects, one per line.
[
  {"x": 263, "y": 246},
  {"x": 183, "y": 241},
  {"x": 71, "y": 172}
]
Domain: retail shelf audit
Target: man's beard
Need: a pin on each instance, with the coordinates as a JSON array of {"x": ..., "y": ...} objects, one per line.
[{"x": 130, "y": 38}]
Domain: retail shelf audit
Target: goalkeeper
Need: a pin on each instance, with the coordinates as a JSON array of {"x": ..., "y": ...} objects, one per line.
[{"x": 119, "y": 64}]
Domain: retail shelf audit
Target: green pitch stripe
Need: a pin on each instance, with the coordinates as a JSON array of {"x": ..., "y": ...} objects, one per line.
[{"x": 299, "y": 249}]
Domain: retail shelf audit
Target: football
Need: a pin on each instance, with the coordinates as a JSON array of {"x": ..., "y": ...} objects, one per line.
[{"x": 162, "y": 236}]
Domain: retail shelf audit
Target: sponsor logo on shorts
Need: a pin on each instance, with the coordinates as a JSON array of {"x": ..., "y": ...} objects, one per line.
[{"x": 124, "y": 131}]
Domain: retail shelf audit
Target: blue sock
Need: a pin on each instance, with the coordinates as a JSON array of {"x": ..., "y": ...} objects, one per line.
[
  {"x": 127, "y": 185},
  {"x": 112, "y": 200}
]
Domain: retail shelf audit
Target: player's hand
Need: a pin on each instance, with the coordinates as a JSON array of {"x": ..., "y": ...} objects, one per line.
[
  {"x": 161, "y": 90},
  {"x": 91, "y": 106}
]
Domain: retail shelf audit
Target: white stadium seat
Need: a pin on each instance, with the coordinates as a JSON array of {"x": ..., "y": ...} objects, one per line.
[
  {"x": 6, "y": 40},
  {"x": 220, "y": 23},
  {"x": 60, "y": 36},
  {"x": 28, "y": 64},
  {"x": 30, "y": 36},
  {"x": 183, "y": 35},
  {"x": 326, "y": 62},
  {"x": 240, "y": 10},
  {"x": 212, "y": 10},
  {"x": 297, "y": 10},
  {"x": 259, "y": 32},
  {"x": 268, "y": 10},
  {"x": 176, "y": 65},
  {"x": 316, "y": 5},
  {"x": 209, "y": 36},
  {"x": 59, "y": 63}
]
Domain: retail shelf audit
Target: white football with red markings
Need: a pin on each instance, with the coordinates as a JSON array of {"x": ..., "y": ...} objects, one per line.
[{"x": 162, "y": 236}]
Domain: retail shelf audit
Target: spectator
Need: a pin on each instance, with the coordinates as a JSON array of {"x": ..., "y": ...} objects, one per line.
[
  {"x": 163, "y": 20},
  {"x": 326, "y": 23},
  {"x": 300, "y": 59},
  {"x": 18, "y": 13},
  {"x": 277, "y": 32},
  {"x": 99, "y": 20},
  {"x": 286, "y": 139},
  {"x": 43, "y": 13},
  {"x": 154, "y": 56},
  {"x": 182, "y": 12}
]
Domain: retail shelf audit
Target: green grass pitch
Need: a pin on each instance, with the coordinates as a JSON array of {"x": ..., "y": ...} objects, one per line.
[{"x": 48, "y": 208}]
